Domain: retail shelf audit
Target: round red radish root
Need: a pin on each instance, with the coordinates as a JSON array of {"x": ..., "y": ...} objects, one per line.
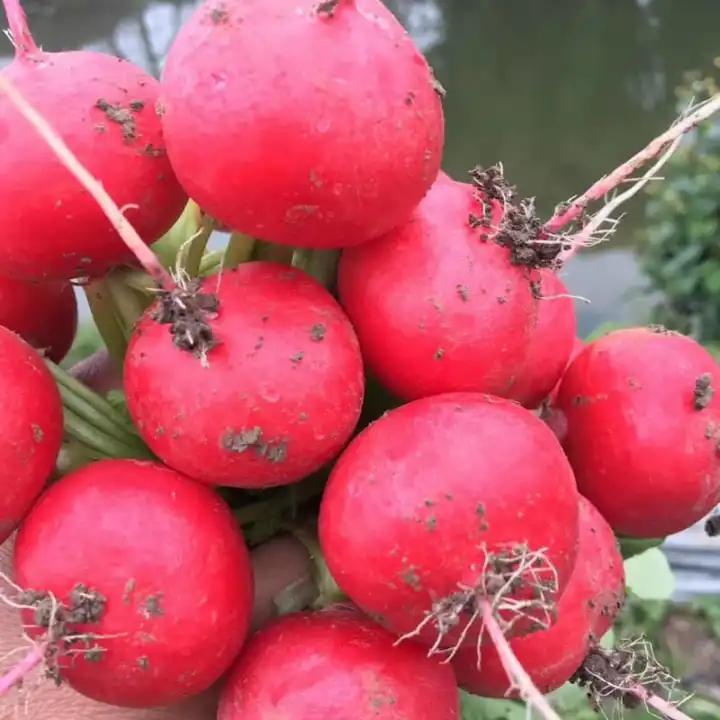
[
  {"x": 31, "y": 418},
  {"x": 336, "y": 664},
  {"x": 303, "y": 126},
  {"x": 550, "y": 343},
  {"x": 281, "y": 393},
  {"x": 586, "y": 610},
  {"x": 437, "y": 306},
  {"x": 104, "y": 109},
  {"x": 419, "y": 494},
  {"x": 169, "y": 560},
  {"x": 643, "y": 427},
  {"x": 43, "y": 314}
]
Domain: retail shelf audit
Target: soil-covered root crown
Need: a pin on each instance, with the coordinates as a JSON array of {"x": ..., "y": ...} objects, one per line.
[
  {"x": 519, "y": 584},
  {"x": 188, "y": 312},
  {"x": 520, "y": 229}
]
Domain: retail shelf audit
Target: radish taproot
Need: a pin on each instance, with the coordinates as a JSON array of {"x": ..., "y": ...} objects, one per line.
[
  {"x": 586, "y": 610},
  {"x": 31, "y": 418},
  {"x": 450, "y": 489},
  {"x": 325, "y": 131},
  {"x": 643, "y": 429},
  {"x": 280, "y": 390},
  {"x": 336, "y": 664},
  {"x": 43, "y": 314},
  {"x": 104, "y": 108},
  {"x": 153, "y": 576},
  {"x": 437, "y": 304}
]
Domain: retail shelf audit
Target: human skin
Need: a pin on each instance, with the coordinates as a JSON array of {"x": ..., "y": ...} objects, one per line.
[{"x": 280, "y": 563}]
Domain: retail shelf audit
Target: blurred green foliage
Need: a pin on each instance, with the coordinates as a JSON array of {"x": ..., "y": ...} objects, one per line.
[{"x": 681, "y": 250}]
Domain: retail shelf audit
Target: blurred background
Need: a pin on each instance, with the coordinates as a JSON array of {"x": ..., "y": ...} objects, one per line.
[{"x": 560, "y": 91}]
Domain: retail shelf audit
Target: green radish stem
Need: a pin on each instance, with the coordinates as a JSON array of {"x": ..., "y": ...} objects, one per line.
[
  {"x": 239, "y": 249},
  {"x": 106, "y": 319}
]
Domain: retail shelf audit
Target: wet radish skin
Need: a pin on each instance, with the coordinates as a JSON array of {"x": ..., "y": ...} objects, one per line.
[
  {"x": 336, "y": 664},
  {"x": 322, "y": 131},
  {"x": 139, "y": 533},
  {"x": 643, "y": 454},
  {"x": 31, "y": 418},
  {"x": 287, "y": 365},
  {"x": 43, "y": 314},
  {"x": 437, "y": 305},
  {"x": 585, "y": 612},
  {"x": 52, "y": 228},
  {"x": 417, "y": 495}
]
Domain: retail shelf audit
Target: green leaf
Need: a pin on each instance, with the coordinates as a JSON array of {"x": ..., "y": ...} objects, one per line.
[
  {"x": 476, "y": 708},
  {"x": 629, "y": 547},
  {"x": 649, "y": 576}
]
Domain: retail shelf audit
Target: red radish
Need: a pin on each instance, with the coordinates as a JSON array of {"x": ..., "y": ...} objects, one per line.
[
  {"x": 586, "y": 610},
  {"x": 336, "y": 664},
  {"x": 437, "y": 305},
  {"x": 280, "y": 395},
  {"x": 44, "y": 314},
  {"x": 307, "y": 123},
  {"x": 643, "y": 430},
  {"x": 551, "y": 341},
  {"x": 424, "y": 496},
  {"x": 165, "y": 573},
  {"x": 31, "y": 418},
  {"x": 104, "y": 109},
  {"x": 550, "y": 414}
]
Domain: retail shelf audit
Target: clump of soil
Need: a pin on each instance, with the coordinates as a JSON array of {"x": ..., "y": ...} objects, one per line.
[
  {"x": 188, "y": 311},
  {"x": 122, "y": 116},
  {"x": 703, "y": 392},
  {"x": 520, "y": 228},
  {"x": 252, "y": 439}
]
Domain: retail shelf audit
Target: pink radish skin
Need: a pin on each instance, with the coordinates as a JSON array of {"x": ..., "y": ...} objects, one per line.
[
  {"x": 550, "y": 344},
  {"x": 31, "y": 418},
  {"x": 280, "y": 397},
  {"x": 104, "y": 109},
  {"x": 643, "y": 446},
  {"x": 170, "y": 560},
  {"x": 437, "y": 305},
  {"x": 586, "y": 610},
  {"x": 323, "y": 158},
  {"x": 432, "y": 483},
  {"x": 43, "y": 314},
  {"x": 336, "y": 664}
]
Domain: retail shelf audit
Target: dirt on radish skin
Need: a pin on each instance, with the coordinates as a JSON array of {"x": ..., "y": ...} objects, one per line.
[
  {"x": 551, "y": 341},
  {"x": 437, "y": 306},
  {"x": 336, "y": 664},
  {"x": 31, "y": 418},
  {"x": 168, "y": 568},
  {"x": 586, "y": 610},
  {"x": 43, "y": 314},
  {"x": 327, "y": 134},
  {"x": 439, "y": 485},
  {"x": 643, "y": 429},
  {"x": 104, "y": 108},
  {"x": 279, "y": 395}
]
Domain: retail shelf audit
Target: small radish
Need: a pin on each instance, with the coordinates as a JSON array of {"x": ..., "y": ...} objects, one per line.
[
  {"x": 104, "y": 109},
  {"x": 31, "y": 418},
  {"x": 437, "y": 304},
  {"x": 336, "y": 664},
  {"x": 426, "y": 502},
  {"x": 307, "y": 123},
  {"x": 551, "y": 341},
  {"x": 278, "y": 394},
  {"x": 43, "y": 314},
  {"x": 643, "y": 429},
  {"x": 586, "y": 610},
  {"x": 154, "y": 577}
]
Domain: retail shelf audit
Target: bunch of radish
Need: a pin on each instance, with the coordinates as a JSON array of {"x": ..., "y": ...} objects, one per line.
[{"x": 383, "y": 365}]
